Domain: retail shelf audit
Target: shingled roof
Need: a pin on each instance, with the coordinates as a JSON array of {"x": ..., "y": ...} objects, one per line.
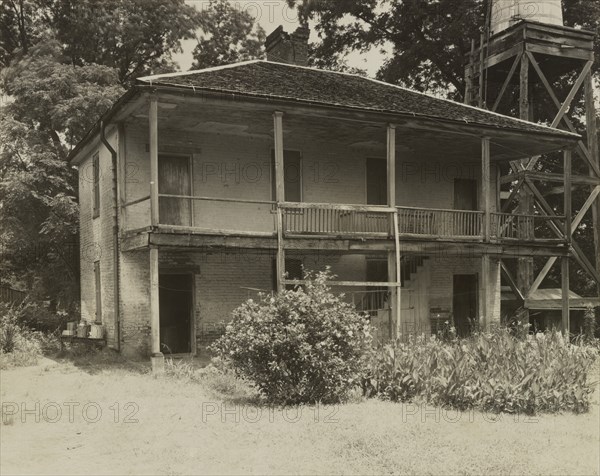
[{"x": 272, "y": 80}]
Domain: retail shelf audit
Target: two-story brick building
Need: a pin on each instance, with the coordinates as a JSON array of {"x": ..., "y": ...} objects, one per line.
[{"x": 199, "y": 189}]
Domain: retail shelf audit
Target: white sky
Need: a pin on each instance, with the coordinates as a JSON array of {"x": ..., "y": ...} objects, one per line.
[{"x": 270, "y": 14}]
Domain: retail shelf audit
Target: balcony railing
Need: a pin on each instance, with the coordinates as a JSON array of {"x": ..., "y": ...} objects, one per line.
[
  {"x": 512, "y": 227},
  {"x": 203, "y": 214},
  {"x": 440, "y": 222},
  {"x": 329, "y": 219}
]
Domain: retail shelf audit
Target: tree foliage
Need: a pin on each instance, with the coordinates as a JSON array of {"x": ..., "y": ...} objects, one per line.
[
  {"x": 425, "y": 41},
  {"x": 226, "y": 34}
]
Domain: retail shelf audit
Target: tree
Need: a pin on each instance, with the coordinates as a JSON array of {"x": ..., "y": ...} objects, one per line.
[
  {"x": 428, "y": 40},
  {"x": 53, "y": 103},
  {"x": 226, "y": 34}
]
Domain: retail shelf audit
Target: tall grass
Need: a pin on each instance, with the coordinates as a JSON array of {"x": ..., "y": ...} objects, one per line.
[
  {"x": 19, "y": 346},
  {"x": 491, "y": 371}
]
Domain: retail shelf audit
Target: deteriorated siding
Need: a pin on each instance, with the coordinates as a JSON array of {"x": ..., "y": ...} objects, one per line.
[{"x": 314, "y": 86}]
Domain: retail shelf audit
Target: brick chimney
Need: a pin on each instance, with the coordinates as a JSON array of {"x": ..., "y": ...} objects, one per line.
[{"x": 283, "y": 47}]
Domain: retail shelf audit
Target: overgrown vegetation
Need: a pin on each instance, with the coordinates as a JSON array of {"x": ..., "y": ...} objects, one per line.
[
  {"x": 19, "y": 345},
  {"x": 491, "y": 371},
  {"x": 299, "y": 346}
]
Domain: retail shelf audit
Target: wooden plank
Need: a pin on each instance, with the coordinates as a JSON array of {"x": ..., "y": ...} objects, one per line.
[
  {"x": 550, "y": 177},
  {"x": 567, "y": 102},
  {"x": 484, "y": 307},
  {"x": 485, "y": 187},
  {"x": 507, "y": 81},
  {"x": 558, "y": 51},
  {"x": 334, "y": 206},
  {"x": 542, "y": 275},
  {"x": 482, "y": 49},
  {"x": 154, "y": 302},
  {"x": 512, "y": 195},
  {"x": 398, "y": 277},
  {"x": 280, "y": 260},
  {"x": 153, "y": 124},
  {"x": 366, "y": 284},
  {"x": 512, "y": 282},
  {"x": 391, "y": 167},
  {"x": 592, "y": 142},
  {"x": 565, "y": 324},
  {"x": 567, "y": 159},
  {"x": 278, "y": 152}
]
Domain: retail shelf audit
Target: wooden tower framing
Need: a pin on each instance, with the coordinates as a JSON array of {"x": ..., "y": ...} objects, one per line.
[{"x": 507, "y": 72}]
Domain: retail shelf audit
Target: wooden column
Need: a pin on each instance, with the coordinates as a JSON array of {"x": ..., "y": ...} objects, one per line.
[
  {"x": 279, "y": 196},
  {"x": 484, "y": 294},
  {"x": 567, "y": 160},
  {"x": 393, "y": 256},
  {"x": 486, "y": 201},
  {"x": 525, "y": 265},
  {"x": 592, "y": 141},
  {"x": 153, "y": 123},
  {"x": 565, "y": 322},
  {"x": 154, "y": 302}
]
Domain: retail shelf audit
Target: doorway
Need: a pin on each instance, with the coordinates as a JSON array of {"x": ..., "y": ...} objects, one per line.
[
  {"x": 176, "y": 304},
  {"x": 465, "y": 194},
  {"x": 174, "y": 179},
  {"x": 464, "y": 303},
  {"x": 377, "y": 182}
]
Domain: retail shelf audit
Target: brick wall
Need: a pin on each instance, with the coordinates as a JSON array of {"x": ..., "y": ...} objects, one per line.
[{"x": 96, "y": 237}]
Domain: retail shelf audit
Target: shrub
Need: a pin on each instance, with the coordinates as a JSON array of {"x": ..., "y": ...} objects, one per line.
[
  {"x": 18, "y": 345},
  {"x": 491, "y": 371},
  {"x": 298, "y": 346}
]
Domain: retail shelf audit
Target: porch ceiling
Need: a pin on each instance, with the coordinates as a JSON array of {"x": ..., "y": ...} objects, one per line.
[{"x": 416, "y": 138}]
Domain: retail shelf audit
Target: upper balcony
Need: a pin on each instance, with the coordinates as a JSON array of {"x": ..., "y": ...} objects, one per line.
[{"x": 236, "y": 169}]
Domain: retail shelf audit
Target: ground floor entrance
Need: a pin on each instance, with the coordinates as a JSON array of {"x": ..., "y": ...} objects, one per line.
[{"x": 176, "y": 298}]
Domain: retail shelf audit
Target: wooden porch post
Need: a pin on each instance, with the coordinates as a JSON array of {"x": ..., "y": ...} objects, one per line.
[
  {"x": 393, "y": 256},
  {"x": 279, "y": 196},
  {"x": 153, "y": 123},
  {"x": 157, "y": 357},
  {"x": 592, "y": 141},
  {"x": 485, "y": 187},
  {"x": 565, "y": 322}
]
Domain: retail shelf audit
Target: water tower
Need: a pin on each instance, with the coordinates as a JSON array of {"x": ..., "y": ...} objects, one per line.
[{"x": 524, "y": 58}]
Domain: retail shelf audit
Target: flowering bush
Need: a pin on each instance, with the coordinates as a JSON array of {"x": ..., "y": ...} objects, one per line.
[
  {"x": 492, "y": 371},
  {"x": 298, "y": 346}
]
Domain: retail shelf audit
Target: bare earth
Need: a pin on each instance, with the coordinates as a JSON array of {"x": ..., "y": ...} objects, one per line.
[{"x": 175, "y": 427}]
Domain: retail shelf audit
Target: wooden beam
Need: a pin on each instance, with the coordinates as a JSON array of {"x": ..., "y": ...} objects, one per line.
[
  {"x": 484, "y": 290},
  {"x": 398, "y": 277},
  {"x": 154, "y": 302},
  {"x": 279, "y": 197},
  {"x": 511, "y": 73},
  {"x": 582, "y": 259},
  {"x": 512, "y": 195},
  {"x": 567, "y": 159},
  {"x": 366, "y": 284},
  {"x": 391, "y": 169},
  {"x": 592, "y": 141},
  {"x": 153, "y": 124},
  {"x": 542, "y": 275},
  {"x": 482, "y": 48},
  {"x": 565, "y": 324},
  {"x": 567, "y": 102},
  {"x": 512, "y": 282},
  {"x": 485, "y": 187}
]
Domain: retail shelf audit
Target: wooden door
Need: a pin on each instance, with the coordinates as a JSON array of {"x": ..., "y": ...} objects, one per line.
[
  {"x": 176, "y": 297},
  {"x": 465, "y": 194},
  {"x": 376, "y": 182},
  {"x": 464, "y": 303},
  {"x": 174, "y": 178}
]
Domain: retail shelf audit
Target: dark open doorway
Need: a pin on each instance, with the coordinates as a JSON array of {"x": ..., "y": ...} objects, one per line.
[
  {"x": 176, "y": 298},
  {"x": 464, "y": 303}
]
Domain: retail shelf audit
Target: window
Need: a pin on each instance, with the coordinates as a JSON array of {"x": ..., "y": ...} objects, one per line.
[
  {"x": 98, "y": 286},
  {"x": 96, "y": 185},
  {"x": 292, "y": 175}
]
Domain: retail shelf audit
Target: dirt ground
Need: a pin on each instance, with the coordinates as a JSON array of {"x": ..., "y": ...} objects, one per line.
[{"x": 61, "y": 418}]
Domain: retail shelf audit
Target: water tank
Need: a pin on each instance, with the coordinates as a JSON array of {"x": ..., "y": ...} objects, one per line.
[{"x": 508, "y": 12}]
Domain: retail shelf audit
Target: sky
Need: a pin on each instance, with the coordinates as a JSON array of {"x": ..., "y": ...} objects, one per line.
[{"x": 270, "y": 14}]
